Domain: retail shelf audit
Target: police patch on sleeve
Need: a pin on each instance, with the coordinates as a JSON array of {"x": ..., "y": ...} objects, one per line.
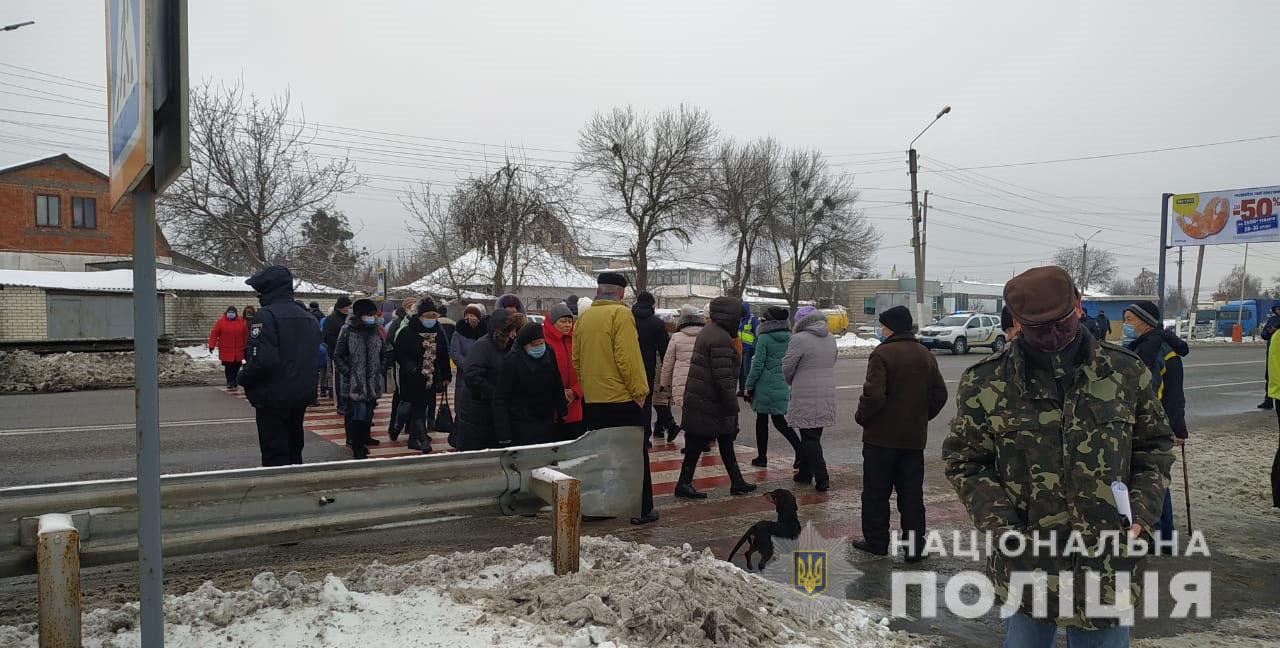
[{"x": 255, "y": 330}]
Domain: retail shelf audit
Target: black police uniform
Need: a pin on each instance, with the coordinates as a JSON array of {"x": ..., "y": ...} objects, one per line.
[{"x": 279, "y": 375}]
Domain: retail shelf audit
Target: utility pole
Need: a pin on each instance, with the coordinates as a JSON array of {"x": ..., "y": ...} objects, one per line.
[
  {"x": 1084, "y": 257},
  {"x": 1195, "y": 289},
  {"x": 1179, "y": 280},
  {"x": 924, "y": 234},
  {"x": 917, "y": 244}
]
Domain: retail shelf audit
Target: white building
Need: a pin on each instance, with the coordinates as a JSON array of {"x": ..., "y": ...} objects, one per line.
[
  {"x": 675, "y": 282},
  {"x": 544, "y": 280},
  {"x": 962, "y": 295}
]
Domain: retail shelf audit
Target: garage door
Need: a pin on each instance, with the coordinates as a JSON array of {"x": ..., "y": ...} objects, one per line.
[{"x": 94, "y": 316}]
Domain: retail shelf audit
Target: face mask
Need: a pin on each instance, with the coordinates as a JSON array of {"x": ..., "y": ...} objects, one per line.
[
  {"x": 536, "y": 352},
  {"x": 429, "y": 323},
  {"x": 1052, "y": 337},
  {"x": 368, "y": 319},
  {"x": 1130, "y": 333},
  {"x": 231, "y": 316}
]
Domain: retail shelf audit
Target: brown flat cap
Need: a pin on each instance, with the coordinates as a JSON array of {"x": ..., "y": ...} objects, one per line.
[{"x": 1040, "y": 295}]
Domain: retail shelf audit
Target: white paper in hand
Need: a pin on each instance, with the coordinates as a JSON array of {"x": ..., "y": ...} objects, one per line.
[{"x": 1121, "y": 494}]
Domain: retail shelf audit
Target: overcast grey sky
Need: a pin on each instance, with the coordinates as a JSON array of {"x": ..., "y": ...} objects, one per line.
[{"x": 1028, "y": 81}]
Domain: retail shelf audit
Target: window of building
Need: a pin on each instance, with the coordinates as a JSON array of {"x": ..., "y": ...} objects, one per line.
[
  {"x": 47, "y": 211},
  {"x": 84, "y": 213},
  {"x": 868, "y": 305}
]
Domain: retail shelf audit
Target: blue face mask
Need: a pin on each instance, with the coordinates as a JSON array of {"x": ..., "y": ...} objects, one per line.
[
  {"x": 369, "y": 320},
  {"x": 429, "y": 323},
  {"x": 231, "y": 315},
  {"x": 1130, "y": 333},
  {"x": 536, "y": 352}
]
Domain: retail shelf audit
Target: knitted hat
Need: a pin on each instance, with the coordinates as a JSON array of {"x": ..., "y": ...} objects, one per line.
[
  {"x": 898, "y": 319},
  {"x": 646, "y": 297},
  {"x": 364, "y": 307},
  {"x": 612, "y": 279},
  {"x": 426, "y": 305},
  {"x": 314, "y": 305},
  {"x": 343, "y": 302},
  {"x": 776, "y": 313},
  {"x": 1147, "y": 312},
  {"x": 509, "y": 301},
  {"x": 805, "y": 311},
  {"x": 528, "y": 333},
  {"x": 560, "y": 310},
  {"x": 474, "y": 309}
]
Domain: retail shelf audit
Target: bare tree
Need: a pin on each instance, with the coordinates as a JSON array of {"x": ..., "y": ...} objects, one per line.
[
  {"x": 816, "y": 220},
  {"x": 252, "y": 181},
  {"x": 1146, "y": 283},
  {"x": 652, "y": 173},
  {"x": 741, "y": 198},
  {"x": 510, "y": 209},
  {"x": 432, "y": 226},
  {"x": 1229, "y": 287},
  {"x": 1122, "y": 287},
  {"x": 1098, "y": 268}
]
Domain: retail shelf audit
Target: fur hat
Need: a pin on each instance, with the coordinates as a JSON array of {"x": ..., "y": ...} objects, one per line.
[
  {"x": 558, "y": 311},
  {"x": 509, "y": 300},
  {"x": 474, "y": 309},
  {"x": 364, "y": 307},
  {"x": 343, "y": 302},
  {"x": 898, "y": 319},
  {"x": 528, "y": 333},
  {"x": 646, "y": 297},
  {"x": 425, "y": 305}
]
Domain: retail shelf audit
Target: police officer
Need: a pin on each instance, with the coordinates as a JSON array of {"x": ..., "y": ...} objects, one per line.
[
  {"x": 1041, "y": 432},
  {"x": 279, "y": 375}
]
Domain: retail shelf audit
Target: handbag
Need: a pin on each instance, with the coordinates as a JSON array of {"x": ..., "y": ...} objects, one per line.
[{"x": 444, "y": 417}]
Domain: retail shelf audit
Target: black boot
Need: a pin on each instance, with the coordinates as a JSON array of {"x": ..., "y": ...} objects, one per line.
[
  {"x": 1266, "y": 404},
  {"x": 687, "y": 491},
  {"x": 863, "y": 545},
  {"x": 738, "y": 485},
  {"x": 684, "y": 484}
]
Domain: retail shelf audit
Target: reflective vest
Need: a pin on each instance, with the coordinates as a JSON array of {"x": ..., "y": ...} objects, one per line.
[{"x": 747, "y": 334}]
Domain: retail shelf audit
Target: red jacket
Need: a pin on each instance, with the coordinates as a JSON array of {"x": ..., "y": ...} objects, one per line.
[
  {"x": 230, "y": 336},
  {"x": 562, "y": 346}
]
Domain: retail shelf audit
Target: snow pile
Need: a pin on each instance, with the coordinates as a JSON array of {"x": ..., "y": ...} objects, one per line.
[
  {"x": 850, "y": 340},
  {"x": 24, "y": 371},
  {"x": 201, "y": 354},
  {"x": 627, "y": 594}
]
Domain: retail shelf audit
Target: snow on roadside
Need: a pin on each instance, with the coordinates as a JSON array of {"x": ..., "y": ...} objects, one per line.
[
  {"x": 24, "y": 371},
  {"x": 851, "y": 340},
  {"x": 200, "y": 353},
  {"x": 627, "y": 594}
]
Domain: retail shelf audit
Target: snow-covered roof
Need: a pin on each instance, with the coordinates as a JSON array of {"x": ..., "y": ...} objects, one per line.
[
  {"x": 669, "y": 264},
  {"x": 475, "y": 268},
  {"x": 122, "y": 281}
]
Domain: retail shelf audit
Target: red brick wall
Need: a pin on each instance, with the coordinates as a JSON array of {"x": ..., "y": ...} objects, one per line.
[{"x": 65, "y": 179}]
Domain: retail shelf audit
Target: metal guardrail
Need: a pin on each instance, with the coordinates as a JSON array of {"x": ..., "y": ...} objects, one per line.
[{"x": 232, "y": 509}]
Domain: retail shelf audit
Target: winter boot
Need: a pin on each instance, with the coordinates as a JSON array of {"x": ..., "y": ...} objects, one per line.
[
  {"x": 687, "y": 491},
  {"x": 684, "y": 484},
  {"x": 673, "y": 431},
  {"x": 760, "y": 462},
  {"x": 738, "y": 485},
  {"x": 1266, "y": 404}
]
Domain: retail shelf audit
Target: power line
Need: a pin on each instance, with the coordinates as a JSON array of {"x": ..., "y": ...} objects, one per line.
[{"x": 1125, "y": 154}]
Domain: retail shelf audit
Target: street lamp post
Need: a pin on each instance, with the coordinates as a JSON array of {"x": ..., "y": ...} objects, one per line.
[
  {"x": 916, "y": 246},
  {"x": 1084, "y": 257}
]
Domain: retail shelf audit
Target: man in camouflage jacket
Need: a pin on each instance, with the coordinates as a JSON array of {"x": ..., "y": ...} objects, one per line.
[{"x": 1041, "y": 431}]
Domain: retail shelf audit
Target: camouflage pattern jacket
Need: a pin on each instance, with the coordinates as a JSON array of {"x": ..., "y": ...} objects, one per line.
[{"x": 1027, "y": 457}]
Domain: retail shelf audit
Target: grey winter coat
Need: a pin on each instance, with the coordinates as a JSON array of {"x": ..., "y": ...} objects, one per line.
[
  {"x": 809, "y": 368},
  {"x": 358, "y": 357}
]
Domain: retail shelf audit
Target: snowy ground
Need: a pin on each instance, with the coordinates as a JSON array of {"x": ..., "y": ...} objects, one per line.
[
  {"x": 627, "y": 594},
  {"x": 852, "y": 346},
  {"x": 201, "y": 354}
]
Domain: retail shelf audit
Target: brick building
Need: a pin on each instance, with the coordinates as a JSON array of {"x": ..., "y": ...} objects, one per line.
[{"x": 55, "y": 214}]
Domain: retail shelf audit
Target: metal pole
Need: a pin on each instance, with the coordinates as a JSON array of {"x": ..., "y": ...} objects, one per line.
[
  {"x": 1179, "y": 318},
  {"x": 1164, "y": 238},
  {"x": 915, "y": 237},
  {"x": 924, "y": 236},
  {"x": 1195, "y": 290},
  {"x": 58, "y": 581},
  {"x": 147, "y": 411},
  {"x": 1084, "y": 265},
  {"x": 1186, "y": 485},
  {"x": 1244, "y": 282}
]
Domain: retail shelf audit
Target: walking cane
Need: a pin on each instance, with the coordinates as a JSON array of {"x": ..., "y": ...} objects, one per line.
[{"x": 1186, "y": 487}]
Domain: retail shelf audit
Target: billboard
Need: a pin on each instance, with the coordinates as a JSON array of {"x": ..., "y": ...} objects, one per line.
[
  {"x": 1220, "y": 217},
  {"x": 128, "y": 96}
]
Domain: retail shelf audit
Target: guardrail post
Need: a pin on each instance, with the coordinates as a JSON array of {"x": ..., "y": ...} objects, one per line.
[
  {"x": 564, "y": 494},
  {"x": 58, "y": 581}
]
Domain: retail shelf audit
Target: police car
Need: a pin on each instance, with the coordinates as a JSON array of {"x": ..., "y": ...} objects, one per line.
[{"x": 963, "y": 331}]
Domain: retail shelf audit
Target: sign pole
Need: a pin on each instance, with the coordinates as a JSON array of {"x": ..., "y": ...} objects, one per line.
[
  {"x": 1244, "y": 282},
  {"x": 147, "y": 412},
  {"x": 1164, "y": 238}
]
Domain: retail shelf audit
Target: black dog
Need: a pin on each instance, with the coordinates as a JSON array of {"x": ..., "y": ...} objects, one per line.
[{"x": 759, "y": 538}]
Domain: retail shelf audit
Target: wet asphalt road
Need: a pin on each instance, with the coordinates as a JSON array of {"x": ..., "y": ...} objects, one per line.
[
  {"x": 48, "y": 438},
  {"x": 62, "y": 437}
]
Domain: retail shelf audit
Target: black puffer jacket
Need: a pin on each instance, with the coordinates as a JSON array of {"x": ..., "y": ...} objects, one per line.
[
  {"x": 281, "y": 360},
  {"x": 653, "y": 338},
  {"x": 477, "y": 387},
  {"x": 710, "y": 396},
  {"x": 529, "y": 399},
  {"x": 332, "y": 327}
]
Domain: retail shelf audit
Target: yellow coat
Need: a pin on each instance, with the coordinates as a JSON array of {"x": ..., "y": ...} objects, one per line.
[
  {"x": 606, "y": 354},
  {"x": 1273, "y": 369}
]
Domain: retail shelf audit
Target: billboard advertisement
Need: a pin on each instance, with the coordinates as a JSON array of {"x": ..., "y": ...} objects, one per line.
[{"x": 1219, "y": 217}]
